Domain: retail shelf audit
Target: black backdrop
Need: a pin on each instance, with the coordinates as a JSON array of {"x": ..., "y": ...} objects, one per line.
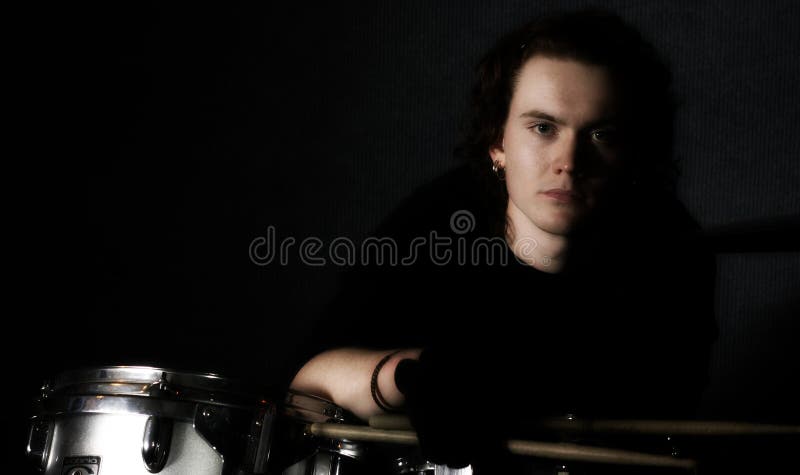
[{"x": 167, "y": 137}]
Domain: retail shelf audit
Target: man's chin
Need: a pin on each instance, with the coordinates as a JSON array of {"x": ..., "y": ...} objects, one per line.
[
  {"x": 559, "y": 229},
  {"x": 562, "y": 224}
]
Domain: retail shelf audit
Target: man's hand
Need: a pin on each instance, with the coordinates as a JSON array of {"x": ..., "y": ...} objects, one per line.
[{"x": 445, "y": 406}]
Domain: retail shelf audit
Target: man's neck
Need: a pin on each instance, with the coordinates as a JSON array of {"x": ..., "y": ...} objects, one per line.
[{"x": 537, "y": 248}]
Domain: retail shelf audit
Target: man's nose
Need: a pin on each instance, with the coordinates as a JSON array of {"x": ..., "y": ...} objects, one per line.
[{"x": 565, "y": 157}]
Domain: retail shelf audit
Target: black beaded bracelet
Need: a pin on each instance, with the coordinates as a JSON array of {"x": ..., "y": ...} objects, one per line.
[{"x": 373, "y": 385}]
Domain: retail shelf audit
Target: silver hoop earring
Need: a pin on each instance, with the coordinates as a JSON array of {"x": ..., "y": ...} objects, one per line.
[{"x": 499, "y": 171}]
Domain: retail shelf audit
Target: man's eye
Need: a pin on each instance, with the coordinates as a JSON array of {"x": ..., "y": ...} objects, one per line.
[
  {"x": 603, "y": 136},
  {"x": 543, "y": 129}
]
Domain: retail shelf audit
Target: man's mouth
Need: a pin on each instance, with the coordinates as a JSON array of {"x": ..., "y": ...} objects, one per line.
[{"x": 563, "y": 195}]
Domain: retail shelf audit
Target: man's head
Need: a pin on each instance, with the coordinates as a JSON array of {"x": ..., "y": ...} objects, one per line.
[
  {"x": 581, "y": 94},
  {"x": 559, "y": 147}
]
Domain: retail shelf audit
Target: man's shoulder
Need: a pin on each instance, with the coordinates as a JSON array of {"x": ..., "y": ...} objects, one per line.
[{"x": 432, "y": 205}]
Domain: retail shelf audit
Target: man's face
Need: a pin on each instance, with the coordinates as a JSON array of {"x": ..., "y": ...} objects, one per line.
[{"x": 559, "y": 147}]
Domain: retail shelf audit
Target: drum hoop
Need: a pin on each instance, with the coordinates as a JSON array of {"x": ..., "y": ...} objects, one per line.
[
  {"x": 182, "y": 409},
  {"x": 90, "y": 404},
  {"x": 310, "y": 408},
  {"x": 159, "y": 383}
]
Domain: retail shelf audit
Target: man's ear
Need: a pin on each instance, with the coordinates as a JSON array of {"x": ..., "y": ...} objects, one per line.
[{"x": 498, "y": 154}]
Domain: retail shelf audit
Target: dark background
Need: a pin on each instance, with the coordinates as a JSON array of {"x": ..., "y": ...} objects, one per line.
[{"x": 161, "y": 139}]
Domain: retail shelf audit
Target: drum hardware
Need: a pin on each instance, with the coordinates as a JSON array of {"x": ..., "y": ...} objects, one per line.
[
  {"x": 416, "y": 464},
  {"x": 155, "y": 443},
  {"x": 413, "y": 465},
  {"x": 242, "y": 439},
  {"x": 40, "y": 438},
  {"x": 297, "y": 451}
]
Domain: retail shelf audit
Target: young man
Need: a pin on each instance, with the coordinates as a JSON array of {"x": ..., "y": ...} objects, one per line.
[{"x": 600, "y": 302}]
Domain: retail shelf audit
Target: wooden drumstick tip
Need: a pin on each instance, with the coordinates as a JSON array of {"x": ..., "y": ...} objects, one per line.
[
  {"x": 582, "y": 453},
  {"x": 669, "y": 427}
]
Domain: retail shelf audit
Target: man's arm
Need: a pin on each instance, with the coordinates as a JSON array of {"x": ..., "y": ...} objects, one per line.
[{"x": 343, "y": 375}]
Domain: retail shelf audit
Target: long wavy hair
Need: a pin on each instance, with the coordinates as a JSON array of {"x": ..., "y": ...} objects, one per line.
[{"x": 595, "y": 37}]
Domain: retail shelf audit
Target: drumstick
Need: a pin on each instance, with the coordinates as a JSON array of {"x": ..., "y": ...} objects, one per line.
[
  {"x": 364, "y": 433},
  {"x": 654, "y": 427},
  {"x": 390, "y": 422},
  {"x": 560, "y": 451}
]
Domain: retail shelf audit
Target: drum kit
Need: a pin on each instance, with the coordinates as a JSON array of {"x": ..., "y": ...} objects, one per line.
[{"x": 123, "y": 420}]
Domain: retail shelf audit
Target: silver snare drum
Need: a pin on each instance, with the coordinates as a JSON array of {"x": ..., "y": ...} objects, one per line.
[{"x": 128, "y": 420}]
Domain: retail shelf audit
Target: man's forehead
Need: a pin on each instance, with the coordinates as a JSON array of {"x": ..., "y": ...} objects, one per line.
[{"x": 564, "y": 88}]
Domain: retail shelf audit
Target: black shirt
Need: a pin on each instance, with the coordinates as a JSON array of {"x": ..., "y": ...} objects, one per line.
[{"x": 624, "y": 331}]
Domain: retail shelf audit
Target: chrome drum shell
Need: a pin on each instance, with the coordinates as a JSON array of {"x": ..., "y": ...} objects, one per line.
[{"x": 142, "y": 420}]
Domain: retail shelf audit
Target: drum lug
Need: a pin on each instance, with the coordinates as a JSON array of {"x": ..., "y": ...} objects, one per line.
[
  {"x": 156, "y": 443},
  {"x": 241, "y": 438},
  {"x": 40, "y": 438}
]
